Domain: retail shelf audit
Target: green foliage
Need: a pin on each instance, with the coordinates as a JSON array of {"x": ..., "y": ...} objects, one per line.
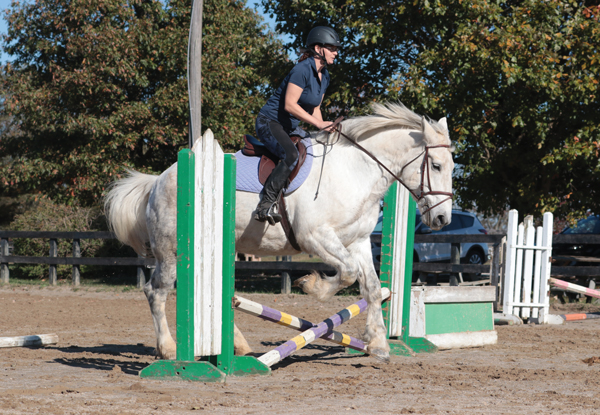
[
  {"x": 96, "y": 85},
  {"x": 518, "y": 81}
]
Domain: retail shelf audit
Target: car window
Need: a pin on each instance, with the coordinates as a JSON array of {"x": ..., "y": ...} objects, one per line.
[
  {"x": 590, "y": 225},
  {"x": 456, "y": 224},
  {"x": 467, "y": 221}
]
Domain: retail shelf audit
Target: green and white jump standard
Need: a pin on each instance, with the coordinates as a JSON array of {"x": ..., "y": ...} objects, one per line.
[
  {"x": 397, "y": 243},
  {"x": 425, "y": 319},
  {"x": 205, "y": 269}
]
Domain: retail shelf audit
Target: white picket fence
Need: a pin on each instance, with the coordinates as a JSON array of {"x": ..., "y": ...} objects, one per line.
[{"x": 527, "y": 268}]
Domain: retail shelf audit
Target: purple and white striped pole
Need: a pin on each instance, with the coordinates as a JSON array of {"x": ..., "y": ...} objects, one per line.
[
  {"x": 297, "y": 323},
  {"x": 327, "y": 326}
]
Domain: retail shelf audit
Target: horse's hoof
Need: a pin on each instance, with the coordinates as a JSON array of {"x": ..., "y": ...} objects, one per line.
[
  {"x": 168, "y": 354},
  {"x": 308, "y": 283},
  {"x": 380, "y": 355}
]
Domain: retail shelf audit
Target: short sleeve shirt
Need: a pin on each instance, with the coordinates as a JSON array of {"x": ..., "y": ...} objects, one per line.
[{"x": 304, "y": 75}]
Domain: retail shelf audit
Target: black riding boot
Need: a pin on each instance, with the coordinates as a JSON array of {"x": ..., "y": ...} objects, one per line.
[{"x": 265, "y": 211}]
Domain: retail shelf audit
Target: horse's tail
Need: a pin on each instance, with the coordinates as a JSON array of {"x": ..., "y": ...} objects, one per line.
[{"x": 125, "y": 207}]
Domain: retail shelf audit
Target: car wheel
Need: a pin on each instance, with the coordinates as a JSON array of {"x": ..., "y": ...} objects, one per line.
[{"x": 474, "y": 257}]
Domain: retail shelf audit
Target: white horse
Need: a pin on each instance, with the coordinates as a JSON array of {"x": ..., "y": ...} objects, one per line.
[{"x": 336, "y": 225}]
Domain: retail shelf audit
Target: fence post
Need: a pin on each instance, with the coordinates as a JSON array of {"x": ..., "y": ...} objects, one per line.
[
  {"x": 4, "y": 272},
  {"x": 286, "y": 281},
  {"x": 455, "y": 259},
  {"x": 76, "y": 254},
  {"x": 52, "y": 278},
  {"x": 141, "y": 275},
  {"x": 495, "y": 271}
]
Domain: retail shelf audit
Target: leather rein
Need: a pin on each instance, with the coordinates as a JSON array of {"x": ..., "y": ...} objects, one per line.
[{"x": 424, "y": 168}]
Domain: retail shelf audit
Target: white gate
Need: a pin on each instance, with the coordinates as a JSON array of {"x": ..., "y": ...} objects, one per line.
[{"x": 527, "y": 267}]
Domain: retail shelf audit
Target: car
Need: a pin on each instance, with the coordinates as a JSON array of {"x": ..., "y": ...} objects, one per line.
[
  {"x": 587, "y": 226},
  {"x": 463, "y": 223},
  {"x": 580, "y": 254}
]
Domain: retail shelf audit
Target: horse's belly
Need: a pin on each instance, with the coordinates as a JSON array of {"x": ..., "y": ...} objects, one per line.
[{"x": 257, "y": 238}]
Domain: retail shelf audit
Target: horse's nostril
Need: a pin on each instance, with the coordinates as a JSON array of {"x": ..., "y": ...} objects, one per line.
[{"x": 442, "y": 220}]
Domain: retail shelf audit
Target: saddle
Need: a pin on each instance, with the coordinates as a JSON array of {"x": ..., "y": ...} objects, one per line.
[{"x": 268, "y": 161}]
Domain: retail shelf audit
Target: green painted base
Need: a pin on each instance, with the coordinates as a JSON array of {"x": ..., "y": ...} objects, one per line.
[
  {"x": 399, "y": 348},
  {"x": 203, "y": 371},
  {"x": 249, "y": 366},
  {"x": 176, "y": 370},
  {"x": 421, "y": 345}
]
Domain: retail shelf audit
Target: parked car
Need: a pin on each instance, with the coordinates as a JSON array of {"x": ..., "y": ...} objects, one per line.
[
  {"x": 587, "y": 226},
  {"x": 463, "y": 223}
]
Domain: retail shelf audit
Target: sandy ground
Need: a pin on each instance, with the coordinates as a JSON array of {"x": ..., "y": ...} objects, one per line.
[{"x": 106, "y": 338}]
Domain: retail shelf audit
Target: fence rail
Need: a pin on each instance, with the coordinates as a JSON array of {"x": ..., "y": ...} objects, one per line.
[
  {"x": 75, "y": 261},
  {"x": 244, "y": 267}
]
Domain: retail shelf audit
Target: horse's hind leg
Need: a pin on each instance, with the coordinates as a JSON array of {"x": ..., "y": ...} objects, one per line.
[
  {"x": 157, "y": 290},
  {"x": 240, "y": 345},
  {"x": 328, "y": 247}
]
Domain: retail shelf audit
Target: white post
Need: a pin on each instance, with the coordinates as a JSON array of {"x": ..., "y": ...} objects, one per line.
[
  {"x": 537, "y": 271},
  {"x": 399, "y": 263},
  {"x": 509, "y": 267},
  {"x": 546, "y": 266},
  {"x": 528, "y": 266},
  {"x": 208, "y": 255},
  {"x": 518, "y": 268}
]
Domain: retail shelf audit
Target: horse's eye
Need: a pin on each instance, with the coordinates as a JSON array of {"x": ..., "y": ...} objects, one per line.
[{"x": 436, "y": 167}]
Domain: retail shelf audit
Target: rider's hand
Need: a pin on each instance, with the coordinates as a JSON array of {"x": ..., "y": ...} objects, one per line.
[{"x": 325, "y": 125}]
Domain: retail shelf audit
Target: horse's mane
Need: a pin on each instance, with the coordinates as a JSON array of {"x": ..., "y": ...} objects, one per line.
[{"x": 394, "y": 115}]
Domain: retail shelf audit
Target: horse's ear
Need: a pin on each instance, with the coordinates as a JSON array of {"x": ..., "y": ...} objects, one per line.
[
  {"x": 443, "y": 123},
  {"x": 428, "y": 131}
]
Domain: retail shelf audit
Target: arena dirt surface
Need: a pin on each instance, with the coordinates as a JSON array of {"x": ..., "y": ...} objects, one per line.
[{"x": 105, "y": 338}]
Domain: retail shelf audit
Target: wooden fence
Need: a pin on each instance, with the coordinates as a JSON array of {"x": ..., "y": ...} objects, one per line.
[
  {"x": 76, "y": 260},
  {"x": 495, "y": 269}
]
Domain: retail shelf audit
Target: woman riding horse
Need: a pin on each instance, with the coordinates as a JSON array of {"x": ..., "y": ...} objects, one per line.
[{"x": 298, "y": 98}]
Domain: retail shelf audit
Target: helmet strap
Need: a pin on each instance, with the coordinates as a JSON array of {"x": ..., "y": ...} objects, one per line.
[{"x": 322, "y": 57}]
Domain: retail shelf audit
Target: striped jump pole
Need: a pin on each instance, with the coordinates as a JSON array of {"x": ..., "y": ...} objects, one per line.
[
  {"x": 297, "y": 323},
  {"x": 321, "y": 329},
  {"x": 567, "y": 286}
]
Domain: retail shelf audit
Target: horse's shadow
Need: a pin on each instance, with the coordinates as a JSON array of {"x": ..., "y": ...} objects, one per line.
[
  {"x": 124, "y": 357},
  {"x": 329, "y": 355}
]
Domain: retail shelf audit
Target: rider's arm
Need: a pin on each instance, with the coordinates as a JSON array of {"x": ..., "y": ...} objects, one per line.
[
  {"x": 317, "y": 112},
  {"x": 292, "y": 96}
]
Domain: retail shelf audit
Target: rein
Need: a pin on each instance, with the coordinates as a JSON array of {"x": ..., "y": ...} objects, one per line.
[{"x": 424, "y": 166}]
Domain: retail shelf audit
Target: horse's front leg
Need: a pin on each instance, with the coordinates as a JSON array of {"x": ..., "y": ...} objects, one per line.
[
  {"x": 354, "y": 262},
  {"x": 370, "y": 288}
]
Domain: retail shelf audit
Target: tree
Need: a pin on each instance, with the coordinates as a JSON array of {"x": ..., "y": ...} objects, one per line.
[
  {"x": 517, "y": 79},
  {"x": 96, "y": 85}
]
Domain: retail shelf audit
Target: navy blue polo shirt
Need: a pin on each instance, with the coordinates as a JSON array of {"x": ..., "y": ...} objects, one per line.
[{"x": 304, "y": 75}]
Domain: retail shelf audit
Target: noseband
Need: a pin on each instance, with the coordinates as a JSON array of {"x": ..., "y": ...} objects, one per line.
[{"x": 424, "y": 168}]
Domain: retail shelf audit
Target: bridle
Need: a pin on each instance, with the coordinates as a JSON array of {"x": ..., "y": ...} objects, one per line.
[{"x": 424, "y": 168}]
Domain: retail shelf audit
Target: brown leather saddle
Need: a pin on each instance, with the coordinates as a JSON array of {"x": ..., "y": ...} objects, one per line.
[{"x": 268, "y": 161}]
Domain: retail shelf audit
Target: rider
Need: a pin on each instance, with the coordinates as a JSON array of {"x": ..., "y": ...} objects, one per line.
[{"x": 298, "y": 98}]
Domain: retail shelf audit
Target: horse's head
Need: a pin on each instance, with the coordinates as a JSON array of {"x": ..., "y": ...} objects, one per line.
[{"x": 431, "y": 178}]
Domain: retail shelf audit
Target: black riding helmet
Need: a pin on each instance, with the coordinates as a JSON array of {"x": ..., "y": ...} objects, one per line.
[{"x": 323, "y": 35}]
